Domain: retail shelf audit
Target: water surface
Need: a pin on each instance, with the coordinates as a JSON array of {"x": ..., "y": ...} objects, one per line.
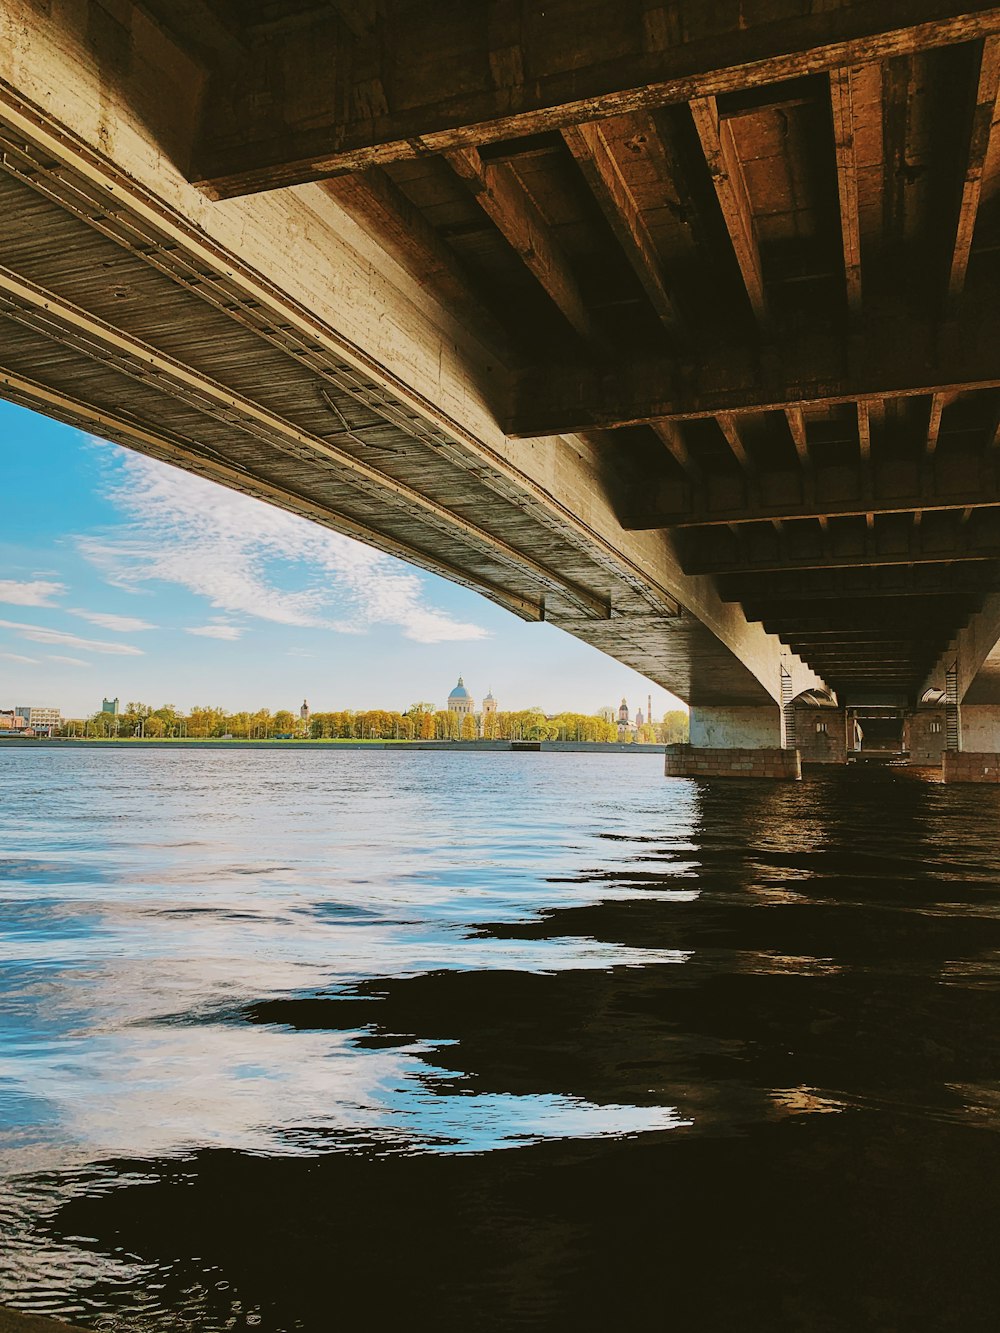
[{"x": 494, "y": 1041}]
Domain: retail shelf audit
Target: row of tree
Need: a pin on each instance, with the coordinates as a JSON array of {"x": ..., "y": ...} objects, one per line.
[{"x": 421, "y": 721}]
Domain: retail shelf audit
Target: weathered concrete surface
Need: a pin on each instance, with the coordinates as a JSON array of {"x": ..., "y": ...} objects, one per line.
[
  {"x": 974, "y": 653},
  {"x": 817, "y": 746},
  {"x": 925, "y": 734},
  {"x": 968, "y": 766},
  {"x": 688, "y": 761},
  {"x": 979, "y": 727},
  {"x": 738, "y": 728},
  {"x": 110, "y": 108}
]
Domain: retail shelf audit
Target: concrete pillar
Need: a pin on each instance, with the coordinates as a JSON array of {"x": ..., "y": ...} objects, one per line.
[
  {"x": 734, "y": 742},
  {"x": 747, "y": 728},
  {"x": 978, "y": 758},
  {"x": 820, "y": 735},
  {"x": 924, "y": 734},
  {"x": 979, "y": 728}
]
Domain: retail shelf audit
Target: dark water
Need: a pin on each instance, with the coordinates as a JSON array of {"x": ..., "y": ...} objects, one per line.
[{"x": 489, "y": 1042}]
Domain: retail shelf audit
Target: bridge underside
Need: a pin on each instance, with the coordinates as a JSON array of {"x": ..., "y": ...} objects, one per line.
[{"x": 674, "y": 327}]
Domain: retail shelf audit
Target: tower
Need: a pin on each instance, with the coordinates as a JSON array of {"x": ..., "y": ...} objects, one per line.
[
  {"x": 304, "y": 711},
  {"x": 489, "y": 723}
]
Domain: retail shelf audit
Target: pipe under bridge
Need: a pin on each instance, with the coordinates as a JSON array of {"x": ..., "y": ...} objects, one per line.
[{"x": 673, "y": 324}]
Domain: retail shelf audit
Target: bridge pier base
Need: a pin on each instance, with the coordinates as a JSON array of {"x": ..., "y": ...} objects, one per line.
[
  {"x": 971, "y": 766},
  {"x": 734, "y": 742}
]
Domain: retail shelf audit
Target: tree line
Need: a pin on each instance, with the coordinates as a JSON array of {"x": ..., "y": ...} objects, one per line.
[{"x": 420, "y": 722}]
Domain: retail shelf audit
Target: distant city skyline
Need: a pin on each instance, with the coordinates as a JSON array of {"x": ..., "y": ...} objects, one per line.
[{"x": 122, "y": 576}]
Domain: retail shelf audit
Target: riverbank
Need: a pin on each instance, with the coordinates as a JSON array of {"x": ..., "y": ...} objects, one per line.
[{"x": 569, "y": 747}]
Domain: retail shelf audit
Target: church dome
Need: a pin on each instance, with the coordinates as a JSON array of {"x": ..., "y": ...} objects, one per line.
[{"x": 460, "y": 692}]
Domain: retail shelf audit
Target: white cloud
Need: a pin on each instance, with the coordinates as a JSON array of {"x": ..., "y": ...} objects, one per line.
[
  {"x": 69, "y": 661},
  {"x": 221, "y": 545},
  {"x": 56, "y": 637},
  {"x": 36, "y": 592},
  {"x": 105, "y": 620},
  {"x": 16, "y": 657},
  {"x": 215, "y": 631}
]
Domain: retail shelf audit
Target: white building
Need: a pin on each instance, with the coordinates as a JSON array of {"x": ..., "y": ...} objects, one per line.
[{"x": 40, "y": 719}]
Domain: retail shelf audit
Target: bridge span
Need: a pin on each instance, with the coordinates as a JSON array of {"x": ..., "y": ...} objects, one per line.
[{"x": 674, "y": 324}]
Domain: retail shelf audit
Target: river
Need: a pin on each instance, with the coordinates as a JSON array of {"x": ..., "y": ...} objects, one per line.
[{"x": 303, "y": 1041}]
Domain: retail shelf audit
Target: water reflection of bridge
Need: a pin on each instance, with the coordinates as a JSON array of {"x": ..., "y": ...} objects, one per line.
[{"x": 680, "y": 336}]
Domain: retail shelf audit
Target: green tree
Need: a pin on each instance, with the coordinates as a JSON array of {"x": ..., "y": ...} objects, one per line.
[
  {"x": 261, "y": 725},
  {"x": 674, "y": 729},
  {"x": 284, "y": 723}
]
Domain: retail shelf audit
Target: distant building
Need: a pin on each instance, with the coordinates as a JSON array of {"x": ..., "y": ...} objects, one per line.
[
  {"x": 461, "y": 702},
  {"x": 639, "y": 719},
  {"x": 304, "y": 713},
  {"x": 625, "y": 726},
  {"x": 110, "y": 706},
  {"x": 489, "y": 704},
  {"x": 40, "y": 719},
  {"x": 12, "y": 723}
]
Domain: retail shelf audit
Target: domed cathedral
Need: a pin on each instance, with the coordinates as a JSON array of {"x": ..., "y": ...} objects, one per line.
[{"x": 460, "y": 701}]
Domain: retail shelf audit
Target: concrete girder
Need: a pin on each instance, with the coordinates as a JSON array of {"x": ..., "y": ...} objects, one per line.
[
  {"x": 357, "y": 104},
  {"x": 294, "y": 273}
]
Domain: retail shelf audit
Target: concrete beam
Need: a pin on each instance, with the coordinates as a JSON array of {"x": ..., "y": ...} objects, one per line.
[
  {"x": 380, "y": 207},
  {"x": 296, "y": 275},
  {"x": 986, "y": 495},
  {"x": 894, "y": 358},
  {"x": 37, "y": 307},
  {"x": 504, "y": 199},
  {"x": 603, "y": 173},
  {"x": 865, "y": 559},
  {"x": 726, "y": 171},
  {"x": 842, "y": 85},
  {"x": 981, "y": 136},
  {"x": 974, "y": 653},
  {"x": 317, "y": 100}
]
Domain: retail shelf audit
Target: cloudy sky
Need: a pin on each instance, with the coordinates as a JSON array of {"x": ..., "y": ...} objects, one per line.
[{"x": 123, "y": 576}]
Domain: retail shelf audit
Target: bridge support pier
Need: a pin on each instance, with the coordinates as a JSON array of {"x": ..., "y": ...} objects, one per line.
[
  {"x": 734, "y": 742},
  {"x": 978, "y": 760}
]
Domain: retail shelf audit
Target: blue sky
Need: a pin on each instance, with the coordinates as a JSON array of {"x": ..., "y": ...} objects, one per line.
[{"x": 123, "y": 576}]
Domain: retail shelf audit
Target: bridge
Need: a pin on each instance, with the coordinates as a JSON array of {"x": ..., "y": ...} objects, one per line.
[{"x": 674, "y": 324}]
